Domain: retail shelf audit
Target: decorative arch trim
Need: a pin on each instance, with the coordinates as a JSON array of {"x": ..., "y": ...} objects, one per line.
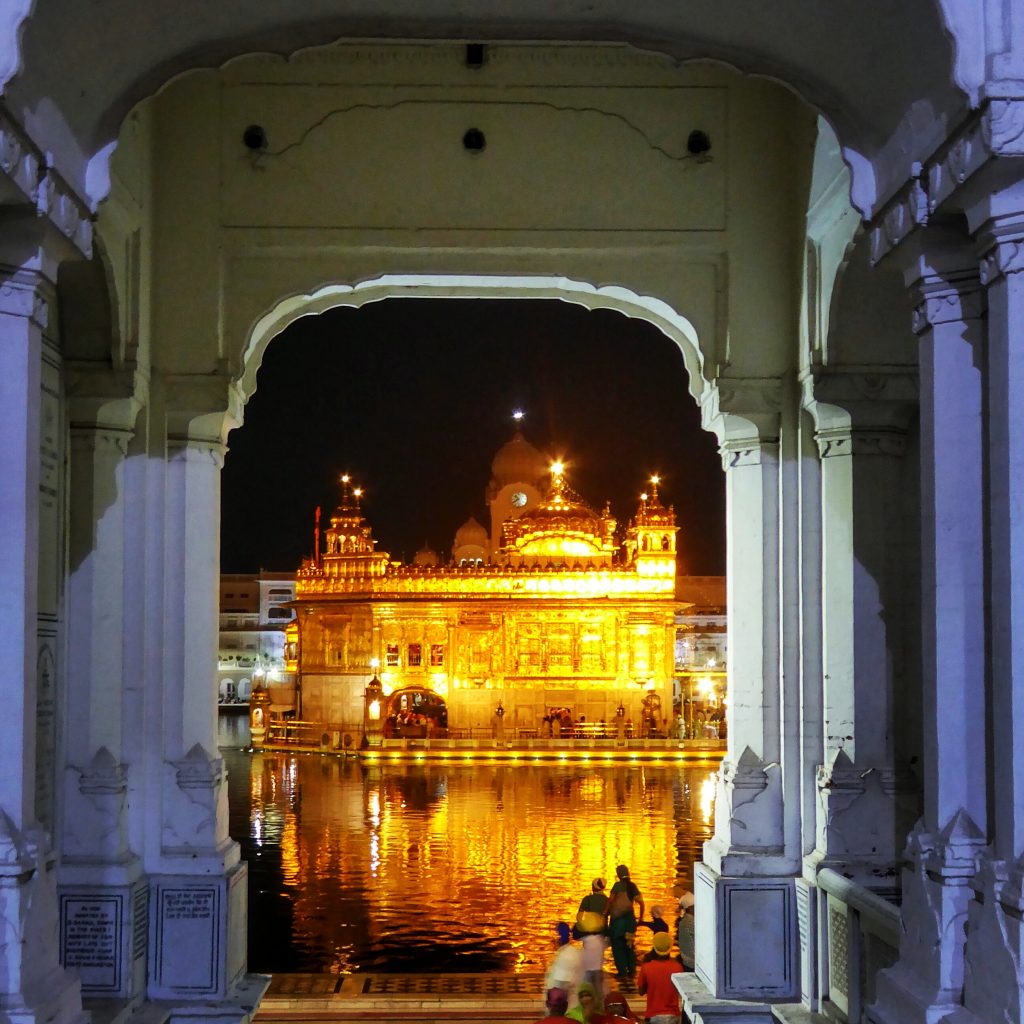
[{"x": 446, "y": 286}]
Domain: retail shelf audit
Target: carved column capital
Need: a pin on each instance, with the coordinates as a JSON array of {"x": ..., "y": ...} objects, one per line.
[
  {"x": 949, "y": 304},
  {"x": 99, "y": 440},
  {"x": 745, "y": 451},
  {"x": 201, "y": 410},
  {"x": 26, "y": 293},
  {"x": 1001, "y": 257},
  {"x": 745, "y": 414},
  {"x": 862, "y": 410}
]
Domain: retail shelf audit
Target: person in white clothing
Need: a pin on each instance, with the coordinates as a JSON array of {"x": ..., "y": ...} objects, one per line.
[{"x": 566, "y": 970}]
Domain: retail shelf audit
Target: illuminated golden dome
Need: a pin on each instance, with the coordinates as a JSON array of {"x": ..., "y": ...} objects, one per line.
[
  {"x": 561, "y": 527},
  {"x": 518, "y": 462}
]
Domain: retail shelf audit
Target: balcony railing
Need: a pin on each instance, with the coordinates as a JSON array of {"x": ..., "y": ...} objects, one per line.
[{"x": 861, "y": 934}]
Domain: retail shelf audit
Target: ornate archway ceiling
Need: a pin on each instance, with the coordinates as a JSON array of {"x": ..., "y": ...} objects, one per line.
[{"x": 863, "y": 64}]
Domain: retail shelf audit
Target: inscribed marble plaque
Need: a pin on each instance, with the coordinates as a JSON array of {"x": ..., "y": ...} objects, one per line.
[{"x": 91, "y": 940}]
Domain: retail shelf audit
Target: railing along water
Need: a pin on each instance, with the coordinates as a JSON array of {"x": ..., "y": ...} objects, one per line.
[{"x": 861, "y": 935}]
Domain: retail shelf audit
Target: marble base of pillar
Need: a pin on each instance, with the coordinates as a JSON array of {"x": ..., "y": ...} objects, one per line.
[
  {"x": 34, "y": 987},
  {"x": 747, "y": 937},
  {"x": 104, "y": 931},
  {"x": 748, "y": 820},
  {"x": 238, "y": 1007},
  {"x": 864, "y": 816},
  {"x": 994, "y": 955},
  {"x": 704, "y": 1008},
  {"x": 926, "y": 985},
  {"x": 197, "y": 935}
]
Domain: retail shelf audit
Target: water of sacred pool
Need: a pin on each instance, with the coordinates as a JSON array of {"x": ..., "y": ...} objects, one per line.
[{"x": 402, "y": 867}]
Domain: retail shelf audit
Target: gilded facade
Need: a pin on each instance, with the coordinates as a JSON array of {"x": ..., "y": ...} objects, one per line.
[{"x": 554, "y": 607}]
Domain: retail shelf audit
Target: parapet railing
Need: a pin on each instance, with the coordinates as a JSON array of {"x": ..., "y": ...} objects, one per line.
[{"x": 861, "y": 936}]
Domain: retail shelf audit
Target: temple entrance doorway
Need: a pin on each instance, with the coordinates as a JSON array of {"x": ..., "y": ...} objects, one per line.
[{"x": 415, "y": 712}]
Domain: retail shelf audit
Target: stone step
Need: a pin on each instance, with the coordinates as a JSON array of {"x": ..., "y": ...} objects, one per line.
[{"x": 387, "y": 998}]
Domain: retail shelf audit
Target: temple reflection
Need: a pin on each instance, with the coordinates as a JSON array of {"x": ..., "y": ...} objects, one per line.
[{"x": 407, "y": 867}]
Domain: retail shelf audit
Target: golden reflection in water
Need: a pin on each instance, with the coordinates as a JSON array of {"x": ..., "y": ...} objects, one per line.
[
  {"x": 707, "y": 797},
  {"x": 452, "y": 867}
]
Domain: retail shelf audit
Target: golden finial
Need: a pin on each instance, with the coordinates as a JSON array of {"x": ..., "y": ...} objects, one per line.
[{"x": 655, "y": 480}]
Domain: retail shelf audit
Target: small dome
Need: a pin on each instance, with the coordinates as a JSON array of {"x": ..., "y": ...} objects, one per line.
[
  {"x": 470, "y": 534},
  {"x": 426, "y": 556},
  {"x": 518, "y": 462}
]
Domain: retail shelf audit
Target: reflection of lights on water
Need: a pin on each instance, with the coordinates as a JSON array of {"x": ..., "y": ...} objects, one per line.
[
  {"x": 443, "y": 834},
  {"x": 707, "y": 797}
]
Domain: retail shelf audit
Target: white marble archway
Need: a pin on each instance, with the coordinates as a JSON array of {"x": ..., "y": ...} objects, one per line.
[{"x": 485, "y": 286}]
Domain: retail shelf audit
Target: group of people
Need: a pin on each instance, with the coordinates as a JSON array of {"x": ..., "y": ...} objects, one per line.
[
  {"x": 557, "y": 722},
  {"x": 575, "y": 984}
]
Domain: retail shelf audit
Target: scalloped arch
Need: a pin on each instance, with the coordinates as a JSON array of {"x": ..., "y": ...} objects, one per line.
[{"x": 441, "y": 286}]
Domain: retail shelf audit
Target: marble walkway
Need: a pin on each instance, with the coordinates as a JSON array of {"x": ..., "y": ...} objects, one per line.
[{"x": 386, "y": 998}]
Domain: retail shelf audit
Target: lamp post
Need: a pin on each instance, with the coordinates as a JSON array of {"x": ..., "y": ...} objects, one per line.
[
  {"x": 373, "y": 712},
  {"x": 620, "y": 725},
  {"x": 259, "y": 715},
  {"x": 499, "y": 722}
]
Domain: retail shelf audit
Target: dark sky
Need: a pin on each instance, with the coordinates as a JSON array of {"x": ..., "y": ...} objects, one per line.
[{"x": 414, "y": 396}]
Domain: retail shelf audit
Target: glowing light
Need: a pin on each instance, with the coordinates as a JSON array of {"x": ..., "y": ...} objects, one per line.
[
  {"x": 705, "y": 687},
  {"x": 711, "y": 663},
  {"x": 517, "y": 415},
  {"x": 655, "y": 479},
  {"x": 357, "y": 491},
  {"x": 374, "y": 711},
  {"x": 345, "y": 478},
  {"x": 707, "y": 797},
  {"x": 375, "y": 663},
  {"x": 557, "y": 467}
]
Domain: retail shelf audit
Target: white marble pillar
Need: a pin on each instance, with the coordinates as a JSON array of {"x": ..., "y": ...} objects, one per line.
[
  {"x": 942, "y": 850},
  {"x": 994, "y": 955},
  {"x": 198, "y": 882},
  {"x": 102, "y": 892},
  {"x": 810, "y": 703},
  {"x": 745, "y": 893},
  {"x": 33, "y": 986},
  {"x": 866, "y": 795}
]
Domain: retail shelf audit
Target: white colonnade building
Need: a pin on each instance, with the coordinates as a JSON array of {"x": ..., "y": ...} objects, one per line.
[{"x": 826, "y": 216}]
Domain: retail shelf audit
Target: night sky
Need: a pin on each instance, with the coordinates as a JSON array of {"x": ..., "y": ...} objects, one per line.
[{"x": 413, "y": 397}]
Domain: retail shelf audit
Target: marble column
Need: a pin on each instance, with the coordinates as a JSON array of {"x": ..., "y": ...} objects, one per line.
[
  {"x": 942, "y": 850},
  {"x": 867, "y": 797},
  {"x": 103, "y": 896},
  {"x": 33, "y": 985},
  {"x": 744, "y": 888},
  {"x": 994, "y": 954},
  {"x": 198, "y": 883}
]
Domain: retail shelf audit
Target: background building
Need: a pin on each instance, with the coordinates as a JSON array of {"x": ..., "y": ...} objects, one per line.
[
  {"x": 253, "y": 617},
  {"x": 701, "y": 656}
]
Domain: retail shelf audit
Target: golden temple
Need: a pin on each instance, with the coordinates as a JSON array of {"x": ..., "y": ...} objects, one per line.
[{"x": 554, "y": 608}]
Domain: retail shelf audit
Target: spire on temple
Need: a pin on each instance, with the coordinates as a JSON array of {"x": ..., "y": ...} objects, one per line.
[{"x": 651, "y": 536}]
